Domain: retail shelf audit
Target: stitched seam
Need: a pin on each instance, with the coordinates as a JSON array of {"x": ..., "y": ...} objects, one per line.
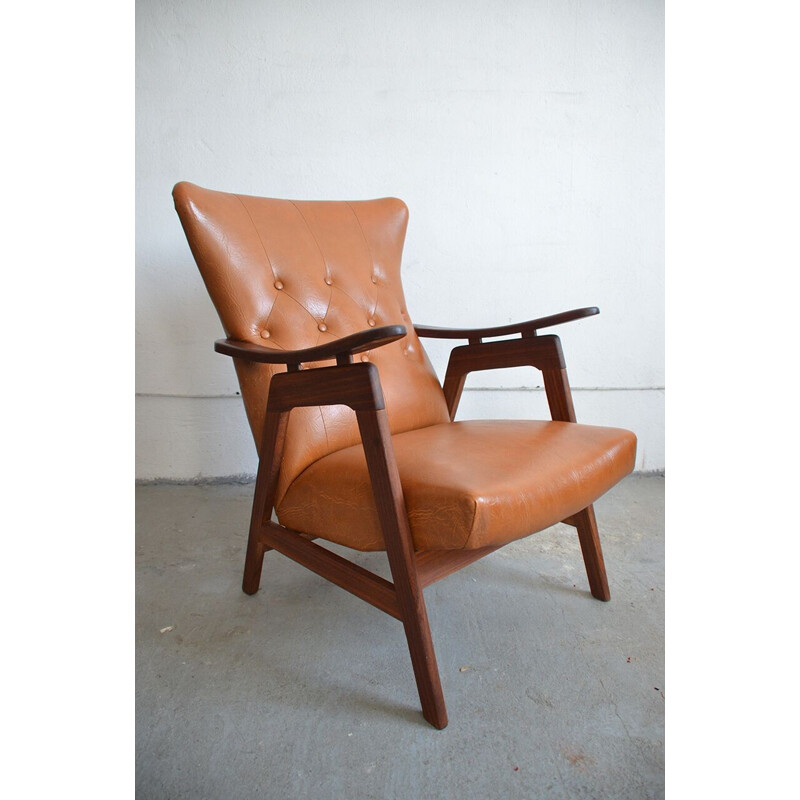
[
  {"x": 324, "y": 428},
  {"x": 472, "y": 526},
  {"x": 346, "y": 294},
  {"x": 371, "y": 257},
  {"x": 295, "y": 300},
  {"x": 258, "y": 234},
  {"x": 375, "y": 307},
  {"x": 266, "y": 254},
  {"x": 269, "y": 316},
  {"x": 322, "y": 255}
]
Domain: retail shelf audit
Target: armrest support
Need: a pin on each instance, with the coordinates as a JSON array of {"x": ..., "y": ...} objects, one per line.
[
  {"x": 341, "y": 349},
  {"x": 542, "y": 352},
  {"x": 527, "y": 328},
  {"x": 355, "y": 385}
]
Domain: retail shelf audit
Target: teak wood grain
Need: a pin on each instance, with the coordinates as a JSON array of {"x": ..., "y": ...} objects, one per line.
[
  {"x": 526, "y": 328},
  {"x": 433, "y": 565},
  {"x": 355, "y": 579},
  {"x": 542, "y": 352},
  {"x": 388, "y": 493}
]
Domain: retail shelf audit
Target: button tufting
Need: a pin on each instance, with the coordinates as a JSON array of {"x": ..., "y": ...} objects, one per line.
[
  {"x": 371, "y": 322},
  {"x": 374, "y": 279},
  {"x": 278, "y": 285},
  {"x": 365, "y": 357},
  {"x": 329, "y": 281},
  {"x": 322, "y": 326},
  {"x": 265, "y": 334}
]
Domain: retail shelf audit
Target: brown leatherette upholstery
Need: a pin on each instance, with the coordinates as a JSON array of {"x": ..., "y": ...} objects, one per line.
[
  {"x": 294, "y": 274},
  {"x": 466, "y": 484}
]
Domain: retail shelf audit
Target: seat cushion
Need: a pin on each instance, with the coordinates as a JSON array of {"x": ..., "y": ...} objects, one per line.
[{"x": 466, "y": 484}]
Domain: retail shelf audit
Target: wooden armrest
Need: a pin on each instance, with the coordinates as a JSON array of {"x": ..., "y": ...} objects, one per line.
[
  {"x": 340, "y": 349},
  {"x": 527, "y": 328}
]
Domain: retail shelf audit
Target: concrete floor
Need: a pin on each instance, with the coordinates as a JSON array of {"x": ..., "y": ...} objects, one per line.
[{"x": 304, "y": 691}]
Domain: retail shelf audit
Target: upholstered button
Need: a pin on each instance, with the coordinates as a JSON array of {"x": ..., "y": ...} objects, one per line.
[
  {"x": 374, "y": 279},
  {"x": 322, "y": 326},
  {"x": 265, "y": 334},
  {"x": 365, "y": 357},
  {"x": 329, "y": 281},
  {"x": 371, "y": 322},
  {"x": 278, "y": 285}
]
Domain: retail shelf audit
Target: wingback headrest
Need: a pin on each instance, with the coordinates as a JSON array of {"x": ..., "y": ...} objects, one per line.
[{"x": 294, "y": 274}]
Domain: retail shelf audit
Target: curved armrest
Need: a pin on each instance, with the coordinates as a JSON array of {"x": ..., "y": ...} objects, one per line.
[
  {"x": 527, "y": 328},
  {"x": 340, "y": 349}
]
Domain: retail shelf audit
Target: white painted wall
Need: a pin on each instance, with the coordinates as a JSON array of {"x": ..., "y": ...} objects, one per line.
[{"x": 525, "y": 137}]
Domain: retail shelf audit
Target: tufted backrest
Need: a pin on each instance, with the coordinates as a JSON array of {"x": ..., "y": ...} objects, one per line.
[{"x": 291, "y": 274}]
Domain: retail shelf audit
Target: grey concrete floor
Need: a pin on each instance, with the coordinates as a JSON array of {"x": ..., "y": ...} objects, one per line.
[{"x": 304, "y": 691}]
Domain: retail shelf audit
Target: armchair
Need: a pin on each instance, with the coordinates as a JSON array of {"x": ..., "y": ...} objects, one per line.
[{"x": 356, "y": 436}]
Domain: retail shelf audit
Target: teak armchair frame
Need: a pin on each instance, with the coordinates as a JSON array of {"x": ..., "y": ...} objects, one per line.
[{"x": 358, "y": 386}]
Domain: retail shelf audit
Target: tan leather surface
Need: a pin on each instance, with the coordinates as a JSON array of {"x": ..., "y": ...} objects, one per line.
[
  {"x": 293, "y": 274},
  {"x": 466, "y": 484}
]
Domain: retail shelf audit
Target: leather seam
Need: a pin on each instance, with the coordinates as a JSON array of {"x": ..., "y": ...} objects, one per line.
[
  {"x": 265, "y": 324},
  {"x": 371, "y": 256},
  {"x": 324, "y": 428},
  {"x": 347, "y": 295},
  {"x": 258, "y": 234},
  {"x": 472, "y": 526},
  {"x": 322, "y": 256}
]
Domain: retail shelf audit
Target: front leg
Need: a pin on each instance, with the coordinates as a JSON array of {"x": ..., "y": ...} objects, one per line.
[
  {"x": 544, "y": 353},
  {"x": 269, "y": 465}
]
